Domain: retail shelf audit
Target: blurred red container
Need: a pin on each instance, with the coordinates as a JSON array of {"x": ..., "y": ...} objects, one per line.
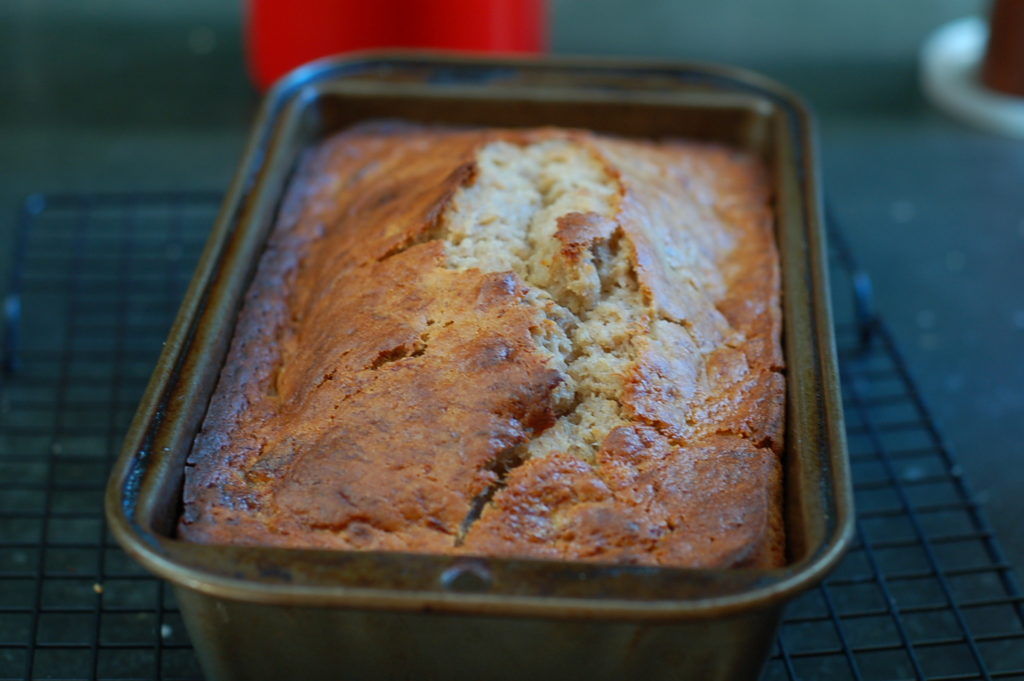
[{"x": 282, "y": 34}]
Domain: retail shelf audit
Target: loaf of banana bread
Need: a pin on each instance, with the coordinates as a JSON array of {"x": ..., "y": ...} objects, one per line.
[{"x": 535, "y": 343}]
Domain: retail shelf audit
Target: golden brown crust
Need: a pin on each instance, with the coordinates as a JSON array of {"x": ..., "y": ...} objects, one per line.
[
  {"x": 373, "y": 395},
  {"x": 645, "y": 501},
  {"x": 699, "y": 220},
  {"x": 578, "y": 232},
  {"x": 386, "y": 437}
]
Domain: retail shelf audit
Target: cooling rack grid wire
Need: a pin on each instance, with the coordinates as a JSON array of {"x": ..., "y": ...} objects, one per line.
[{"x": 924, "y": 594}]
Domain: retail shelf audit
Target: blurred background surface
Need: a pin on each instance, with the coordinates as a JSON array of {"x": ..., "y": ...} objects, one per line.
[{"x": 148, "y": 95}]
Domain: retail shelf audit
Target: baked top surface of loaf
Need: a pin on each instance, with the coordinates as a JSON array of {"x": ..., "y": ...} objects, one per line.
[{"x": 538, "y": 343}]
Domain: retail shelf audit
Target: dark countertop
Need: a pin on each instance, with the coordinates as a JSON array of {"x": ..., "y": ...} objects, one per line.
[{"x": 110, "y": 99}]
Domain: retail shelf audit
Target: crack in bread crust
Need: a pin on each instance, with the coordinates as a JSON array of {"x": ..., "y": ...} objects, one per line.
[{"x": 468, "y": 365}]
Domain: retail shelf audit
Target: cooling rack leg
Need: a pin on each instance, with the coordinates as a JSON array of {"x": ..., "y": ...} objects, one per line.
[
  {"x": 864, "y": 309},
  {"x": 12, "y": 325}
]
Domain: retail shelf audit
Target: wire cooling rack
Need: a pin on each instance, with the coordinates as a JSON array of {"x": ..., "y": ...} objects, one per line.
[{"x": 924, "y": 594}]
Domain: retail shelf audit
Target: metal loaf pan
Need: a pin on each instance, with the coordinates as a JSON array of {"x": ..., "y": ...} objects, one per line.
[{"x": 264, "y": 613}]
